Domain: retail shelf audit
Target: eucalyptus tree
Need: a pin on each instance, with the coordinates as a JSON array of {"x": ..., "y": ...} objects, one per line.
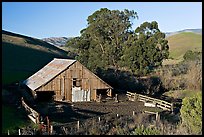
[
  {"x": 145, "y": 49},
  {"x": 106, "y": 32},
  {"x": 109, "y": 41}
]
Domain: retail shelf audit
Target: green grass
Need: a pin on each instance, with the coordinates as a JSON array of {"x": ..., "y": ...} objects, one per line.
[
  {"x": 23, "y": 56},
  {"x": 12, "y": 119},
  {"x": 14, "y": 76},
  {"x": 180, "y": 94},
  {"x": 180, "y": 43}
]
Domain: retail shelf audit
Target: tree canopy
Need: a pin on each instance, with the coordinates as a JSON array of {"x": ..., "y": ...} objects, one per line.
[{"x": 109, "y": 41}]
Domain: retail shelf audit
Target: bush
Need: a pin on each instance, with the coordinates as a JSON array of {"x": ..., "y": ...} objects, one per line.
[
  {"x": 192, "y": 55},
  {"x": 185, "y": 75},
  {"x": 145, "y": 131},
  {"x": 194, "y": 77},
  {"x": 191, "y": 113}
]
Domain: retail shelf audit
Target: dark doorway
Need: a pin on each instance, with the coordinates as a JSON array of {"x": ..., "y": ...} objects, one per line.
[
  {"x": 103, "y": 93},
  {"x": 45, "y": 96}
]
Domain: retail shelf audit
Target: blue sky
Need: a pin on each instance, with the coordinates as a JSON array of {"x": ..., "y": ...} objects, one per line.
[{"x": 57, "y": 19}]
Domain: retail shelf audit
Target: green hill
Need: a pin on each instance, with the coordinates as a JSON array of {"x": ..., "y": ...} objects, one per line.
[
  {"x": 180, "y": 43},
  {"x": 22, "y": 56}
]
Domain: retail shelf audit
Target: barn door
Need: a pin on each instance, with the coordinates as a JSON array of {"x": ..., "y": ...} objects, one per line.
[{"x": 79, "y": 95}]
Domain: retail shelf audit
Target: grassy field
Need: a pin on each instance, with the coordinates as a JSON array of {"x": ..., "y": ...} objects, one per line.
[
  {"x": 22, "y": 56},
  {"x": 180, "y": 43},
  {"x": 12, "y": 119}
]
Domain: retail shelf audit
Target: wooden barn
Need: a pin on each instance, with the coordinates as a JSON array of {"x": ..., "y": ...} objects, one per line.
[{"x": 69, "y": 81}]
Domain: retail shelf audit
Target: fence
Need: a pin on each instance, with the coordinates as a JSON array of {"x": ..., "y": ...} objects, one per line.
[
  {"x": 33, "y": 115},
  {"x": 94, "y": 126},
  {"x": 158, "y": 103}
]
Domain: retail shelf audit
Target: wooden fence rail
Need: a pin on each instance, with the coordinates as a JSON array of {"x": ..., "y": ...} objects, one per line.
[
  {"x": 33, "y": 115},
  {"x": 158, "y": 103}
]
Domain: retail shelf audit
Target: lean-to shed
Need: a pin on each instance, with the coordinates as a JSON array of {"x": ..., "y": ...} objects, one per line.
[{"x": 69, "y": 81}]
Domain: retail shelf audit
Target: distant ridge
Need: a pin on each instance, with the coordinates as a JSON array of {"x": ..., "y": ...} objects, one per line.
[
  {"x": 57, "y": 41},
  {"x": 197, "y": 31}
]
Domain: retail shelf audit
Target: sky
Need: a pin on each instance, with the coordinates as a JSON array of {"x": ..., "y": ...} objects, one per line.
[{"x": 67, "y": 19}]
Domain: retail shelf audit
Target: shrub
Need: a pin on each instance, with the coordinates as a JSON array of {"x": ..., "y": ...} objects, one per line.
[
  {"x": 191, "y": 113},
  {"x": 192, "y": 55},
  {"x": 145, "y": 131},
  {"x": 194, "y": 77}
]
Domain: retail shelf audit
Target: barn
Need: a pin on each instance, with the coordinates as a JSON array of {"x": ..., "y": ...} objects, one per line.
[{"x": 68, "y": 80}]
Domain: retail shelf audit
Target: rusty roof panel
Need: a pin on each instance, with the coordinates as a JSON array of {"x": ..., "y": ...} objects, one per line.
[{"x": 48, "y": 72}]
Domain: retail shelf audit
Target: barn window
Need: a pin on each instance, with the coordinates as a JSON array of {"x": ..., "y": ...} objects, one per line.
[{"x": 76, "y": 82}]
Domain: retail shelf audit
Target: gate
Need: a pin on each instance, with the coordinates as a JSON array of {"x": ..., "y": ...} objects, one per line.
[{"x": 79, "y": 95}]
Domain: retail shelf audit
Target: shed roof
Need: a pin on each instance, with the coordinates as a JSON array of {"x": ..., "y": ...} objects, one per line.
[{"x": 48, "y": 72}]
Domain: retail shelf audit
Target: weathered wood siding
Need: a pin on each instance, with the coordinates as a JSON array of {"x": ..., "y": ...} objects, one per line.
[{"x": 62, "y": 84}]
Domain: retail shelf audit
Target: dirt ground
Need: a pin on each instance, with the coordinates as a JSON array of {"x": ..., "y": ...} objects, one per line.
[{"x": 68, "y": 112}]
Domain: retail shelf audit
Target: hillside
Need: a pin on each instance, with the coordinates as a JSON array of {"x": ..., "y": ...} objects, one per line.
[
  {"x": 197, "y": 31},
  {"x": 22, "y": 56},
  {"x": 180, "y": 43},
  {"x": 57, "y": 41}
]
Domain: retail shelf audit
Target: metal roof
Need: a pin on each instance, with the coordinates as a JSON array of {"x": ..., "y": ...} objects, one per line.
[{"x": 48, "y": 72}]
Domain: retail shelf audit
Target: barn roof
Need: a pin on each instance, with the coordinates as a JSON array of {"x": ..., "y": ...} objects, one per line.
[{"x": 48, "y": 72}]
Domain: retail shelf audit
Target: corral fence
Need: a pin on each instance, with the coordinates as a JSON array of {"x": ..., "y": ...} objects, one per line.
[
  {"x": 149, "y": 100},
  {"x": 94, "y": 125},
  {"x": 33, "y": 115}
]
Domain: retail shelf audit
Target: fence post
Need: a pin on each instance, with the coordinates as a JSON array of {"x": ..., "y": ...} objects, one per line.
[
  {"x": 116, "y": 97},
  {"x": 172, "y": 108},
  {"x": 51, "y": 129},
  {"x": 135, "y": 97},
  {"x": 78, "y": 124},
  {"x": 19, "y": 131},
  {"x": 48, "y": 125},
  {"x": 99, "y": 97},
  {"x": 37, "y": 118}
]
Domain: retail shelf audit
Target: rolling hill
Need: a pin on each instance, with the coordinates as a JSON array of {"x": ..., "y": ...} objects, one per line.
[
  {"x": 22, "y": 56},
  {"x": 57, "y": 41},
  {"x": 181, "y": 42},
  {"x": 197, "y": 31}
]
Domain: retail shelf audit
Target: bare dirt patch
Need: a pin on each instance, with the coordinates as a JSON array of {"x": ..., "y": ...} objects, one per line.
[{"x": 69, "y": 112}]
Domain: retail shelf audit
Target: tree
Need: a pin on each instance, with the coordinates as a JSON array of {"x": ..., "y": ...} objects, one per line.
[
  {"x": 108, "y": 41},
  {"x": 191, "y": 113},
  {"x": 146, "y": 48},
  {"x": 104, "y": 36}
]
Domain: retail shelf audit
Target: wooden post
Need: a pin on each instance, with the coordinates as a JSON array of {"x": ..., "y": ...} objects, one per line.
[
  {"x": 116, "y": 97},
  {"x": 48, "y": 125},
  {"x": 78, "y": 124},
  {"x": 37, "y": 118},
  {"x": 51, "y": 129},
  {"x": 135, "y": 97},
  {"x": 19, "y": 131},
  {"x": 8, "y": 132},
  {"x": 172, "y": 108},
  {"x": 156, "y": 116},
  {"x": 99, "y": 97}
]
